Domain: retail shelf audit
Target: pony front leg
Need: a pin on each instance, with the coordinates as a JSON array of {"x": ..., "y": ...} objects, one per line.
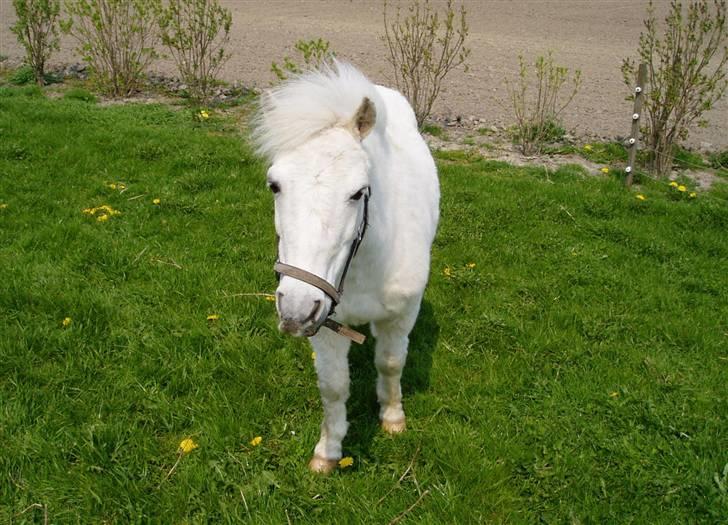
[
  {"x": 390, "y": 356},
  {"x": 332, "y": 368}
]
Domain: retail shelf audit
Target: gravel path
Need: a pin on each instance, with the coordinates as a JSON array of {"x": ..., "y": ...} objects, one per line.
[{"x": 591, "y": 35}]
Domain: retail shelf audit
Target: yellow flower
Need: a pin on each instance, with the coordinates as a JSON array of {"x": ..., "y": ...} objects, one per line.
[
  {"x": 346, "y": 462},
  {"x": 213, "y": 317},
  {"x": 604, "y": 170},
  {"x": 156, "y": 201},
  {"x": 682, "y": 188},
  {"x": 587, "y": 147},
  {"x": 270, "y": 298},
  {"x": 613, "y": 394},
  {"x": 3, "y": 206},
  {"x": 447, "y": 272},
  {"x": 313, "y": 356},
  {"x": 112, "y": 186},
  {"x": 121, "y": 186},
  {"x": 673, "y": 184},
  {"x": 640, "y": 197},
  {"x": 66, "y": 322},
  {"x": 693, "y": 194},
  {"x": 204, "y": 115},
  {"x": 102, "y": 218},
  {"x": 470, "y": 265},
  {"x": 257, "y": 440},
  {"x": 89, "y": 211},
  {"x": 187, "y": 445}
]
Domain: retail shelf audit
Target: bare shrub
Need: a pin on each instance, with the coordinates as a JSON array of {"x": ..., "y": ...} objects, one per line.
[
  {"x": 538, "y": 107},
  {"x": 423, "y": 48},
  {"x": 37, "y": 31},
  {"x": 196, "y": 32},
  {"x": 116, "y": 38},
  {"x": 314, "y": 53},
  {"x": 686, "y": 74}
]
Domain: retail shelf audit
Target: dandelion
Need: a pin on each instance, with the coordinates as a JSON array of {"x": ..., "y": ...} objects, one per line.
[
  {"x": 682, "y": 188},
  {"x": 673, "y": 184},
  {"x": 270, "y": 298},
  {"x": 313, "y": 356},
  {"x": 112, "y": 186},
  {"x": 204, "y": 115},
  {"x": 213, "y": 317},
  {"x": 587, "y": 147},
  {"x": 470, "y": 265},
  {"x": 187, "y": 445},
  {"x": 346, "y": 462},
  {"x": 613, "y": 394},
  {"x": 447, "y": 272},
  {"x": 108, "y": 212},
  {"x": 693, "y": 194},
  {"x": 156, "y": 202},
  {"x": 120, "y": 186},
  {"x": 640, "y": 197},
  {"x": 257, "y": 440},
  {"x": 604, "y": 170},
  {"x": 66, "y": 322}
]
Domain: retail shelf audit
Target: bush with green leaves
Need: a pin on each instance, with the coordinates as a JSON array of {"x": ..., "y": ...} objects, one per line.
[
  {"x": 538, "y": 104},
  {"x": 423, "y": 49},
  {"x": 686, "y": 74},
  {"x": 195, "y": 33},
  {"x": 314, "y": 54},
  {"x": 116, "y": 39},
  {"x": 36, "y": 28},
  {"x": 22, "y": 76}
]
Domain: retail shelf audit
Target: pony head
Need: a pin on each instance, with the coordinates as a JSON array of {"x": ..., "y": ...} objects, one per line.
[{"x": 312, "y": 129}]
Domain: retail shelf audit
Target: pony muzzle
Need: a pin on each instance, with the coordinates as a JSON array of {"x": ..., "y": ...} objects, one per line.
[{"x": 300, "y": 318}]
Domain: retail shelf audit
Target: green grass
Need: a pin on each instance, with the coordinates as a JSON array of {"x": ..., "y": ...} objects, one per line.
[
  {"x": 435, "y": 130},
  {"x": 576, "y": 373}
]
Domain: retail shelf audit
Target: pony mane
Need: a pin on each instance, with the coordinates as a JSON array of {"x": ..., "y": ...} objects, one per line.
[{"x": 293, "y": 112}]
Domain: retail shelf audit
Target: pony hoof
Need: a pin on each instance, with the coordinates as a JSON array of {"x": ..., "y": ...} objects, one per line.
[
  {"x": 322, "y": 465},
  {"x": 394, "y": 427}
]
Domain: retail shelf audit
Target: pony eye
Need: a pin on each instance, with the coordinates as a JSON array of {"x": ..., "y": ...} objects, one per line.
[
  {"x": 358, "y": 195},
  {"x": 274, "y": 187}
]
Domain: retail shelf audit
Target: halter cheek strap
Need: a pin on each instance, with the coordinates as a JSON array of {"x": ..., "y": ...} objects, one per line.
[{"x": 326, "y": 287}]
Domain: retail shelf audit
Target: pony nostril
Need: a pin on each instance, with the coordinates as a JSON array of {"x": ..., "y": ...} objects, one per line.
[{"x": 314, "y": 313}]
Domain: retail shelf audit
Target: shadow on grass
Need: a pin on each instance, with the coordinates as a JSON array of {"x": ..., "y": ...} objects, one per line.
[{"x": 362, "y": 408}]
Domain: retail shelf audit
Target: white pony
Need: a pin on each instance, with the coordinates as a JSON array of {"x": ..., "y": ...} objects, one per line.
[{"x": 345, "y": 153}]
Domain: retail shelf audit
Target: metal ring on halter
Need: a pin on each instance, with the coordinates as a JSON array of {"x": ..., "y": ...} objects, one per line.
[{"x": 322, "y": 284}]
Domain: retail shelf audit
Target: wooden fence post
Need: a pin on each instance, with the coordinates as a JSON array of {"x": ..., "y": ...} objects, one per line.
[{"x": 636, "y": 114}]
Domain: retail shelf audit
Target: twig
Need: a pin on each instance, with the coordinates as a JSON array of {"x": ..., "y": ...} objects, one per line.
[
  {"x": 409, "y": 509},
  {"x": 35, "y": 506},
  {"x": 179, "y": 458},
  {"x": 245, "y": 503},
  {"x": 288, "y": 519},
  {"x": 139, "y": 255},
  {"x": 409, "y": 467},
  {"x": 171, "y": 262},
  {"x": 137, "y": 196},
  {"x": 251, "y": 294},
  {"x": 563, "y": 208}
]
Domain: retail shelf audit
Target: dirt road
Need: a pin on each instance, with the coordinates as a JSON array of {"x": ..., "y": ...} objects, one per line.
[{"x": 591, "y": 35}]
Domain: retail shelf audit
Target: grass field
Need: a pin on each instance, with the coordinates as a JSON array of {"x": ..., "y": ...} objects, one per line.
[{"x": 570, "y": 362}]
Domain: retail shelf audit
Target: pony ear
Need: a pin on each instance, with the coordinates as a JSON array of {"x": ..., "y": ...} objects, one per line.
[{"x": 364, "y": 118}]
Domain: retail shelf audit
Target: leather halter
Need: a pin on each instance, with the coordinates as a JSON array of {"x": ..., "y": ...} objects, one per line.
[{"x": 333, "y": 292}]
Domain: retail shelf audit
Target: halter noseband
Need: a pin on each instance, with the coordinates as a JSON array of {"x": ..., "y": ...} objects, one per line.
[{"x": 326, "y": 287}]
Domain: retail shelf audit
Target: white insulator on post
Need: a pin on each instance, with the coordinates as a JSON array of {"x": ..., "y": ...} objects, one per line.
[
  {"x": 628, "y": 169},
  {"x": 632, "y": 141},
  {"x": 635, "y": 116},
  {"x": 638, "y": 89}
]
